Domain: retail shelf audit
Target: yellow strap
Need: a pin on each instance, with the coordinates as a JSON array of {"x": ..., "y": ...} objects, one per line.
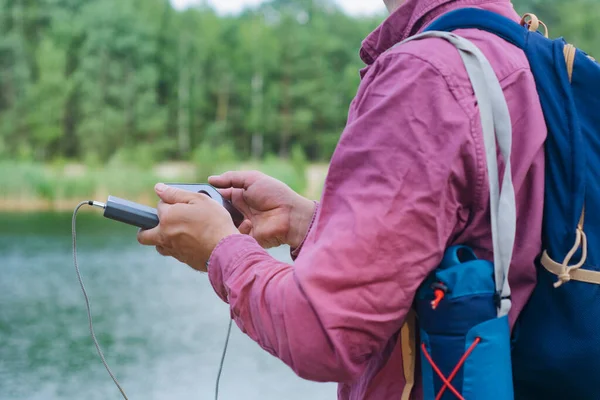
[
  {"x": 570, "y": 51},
  {"x": 564, "y": 271},
  {"x": 533, "y": 23},
  {"x": 407, "y": 337},
  {"x": 581, "y": 275}
]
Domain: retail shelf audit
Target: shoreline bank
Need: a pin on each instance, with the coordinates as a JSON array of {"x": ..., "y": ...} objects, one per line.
[{"x": 51, "y": 189}]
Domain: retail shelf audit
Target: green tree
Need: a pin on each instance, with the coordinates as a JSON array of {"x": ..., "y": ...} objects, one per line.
[
  {"x": 117, "y": 78},
  {"x": 137, "y": 81}
]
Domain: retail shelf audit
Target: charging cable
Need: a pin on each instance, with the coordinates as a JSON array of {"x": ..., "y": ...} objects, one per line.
[{"x": 89, "y": 311}]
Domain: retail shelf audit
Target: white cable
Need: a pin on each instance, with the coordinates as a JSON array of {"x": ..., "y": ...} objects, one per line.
[
  {"x": 87, "y": 300},
  {"x": 89, "y": 312},
  {"x": 223, "y": 360}
]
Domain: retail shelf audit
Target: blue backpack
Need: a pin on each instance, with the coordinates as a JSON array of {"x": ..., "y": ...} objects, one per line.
[{"x": 556, "y": 341}]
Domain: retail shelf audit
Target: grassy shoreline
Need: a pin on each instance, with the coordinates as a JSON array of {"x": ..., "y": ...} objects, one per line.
[{"x": 30, "y": 187}]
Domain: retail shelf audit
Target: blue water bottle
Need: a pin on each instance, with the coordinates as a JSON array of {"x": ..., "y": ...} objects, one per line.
[{"x": 465, "y": 347}]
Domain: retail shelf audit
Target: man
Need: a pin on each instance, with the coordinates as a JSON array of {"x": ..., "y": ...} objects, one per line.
[{"x": 408, "y": 180}]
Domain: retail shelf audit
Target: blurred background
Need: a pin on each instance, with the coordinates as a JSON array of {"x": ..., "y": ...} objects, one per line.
[
  {"x": 103, "y": 97},
  {"x": 158, "y": 90}
]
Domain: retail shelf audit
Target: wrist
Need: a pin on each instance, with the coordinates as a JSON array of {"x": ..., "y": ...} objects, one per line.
[
  {"x": 219, "y": 239},
  {"x": 301, "y": 218}
]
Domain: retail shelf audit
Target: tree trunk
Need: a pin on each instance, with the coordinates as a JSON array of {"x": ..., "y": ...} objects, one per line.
[
  {"x": 70, "y": 141},
  {"x": 286, "y": 114},
  {"x": 223, "y": 101},
  {"x": 104, "y": 88},
  {"x": 183, "y": 113},
  {"x": 257, "y": 105},
  {"x": 130, "y": 117}
]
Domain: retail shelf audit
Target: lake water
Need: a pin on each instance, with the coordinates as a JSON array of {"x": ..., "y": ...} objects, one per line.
[{"x": 160, "y": 324}]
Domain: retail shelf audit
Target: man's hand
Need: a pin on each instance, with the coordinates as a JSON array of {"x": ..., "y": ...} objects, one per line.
[
  {"x": 191, "y": 226},
  {"x": 275, "y": 214}
]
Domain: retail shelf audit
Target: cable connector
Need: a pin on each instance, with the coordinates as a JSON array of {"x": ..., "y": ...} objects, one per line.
[{"x": 97, "y": 204}]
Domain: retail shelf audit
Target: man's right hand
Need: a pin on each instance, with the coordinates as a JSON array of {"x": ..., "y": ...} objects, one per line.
[{"x": 274, "y": 213}]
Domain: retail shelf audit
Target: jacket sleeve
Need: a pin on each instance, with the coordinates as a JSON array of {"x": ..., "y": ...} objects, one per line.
[{"x": 392, "y": 201}]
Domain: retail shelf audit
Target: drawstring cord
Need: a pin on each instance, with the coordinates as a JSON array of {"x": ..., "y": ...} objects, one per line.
[{"x": 567, "y": 271}]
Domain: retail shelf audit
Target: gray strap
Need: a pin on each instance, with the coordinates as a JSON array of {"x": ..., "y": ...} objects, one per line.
[{"x": 496, "y": 125}]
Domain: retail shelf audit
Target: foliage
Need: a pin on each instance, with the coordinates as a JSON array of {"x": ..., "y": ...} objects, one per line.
[
  {"x": 62, "y": 185},
  {"x": 210, "y": 161},
  {"x": 27, "y": 181},
  {"x": 121, "y": 85},
  {"x": 574, "y": 20},
  {"x": 137, "y": 82}
]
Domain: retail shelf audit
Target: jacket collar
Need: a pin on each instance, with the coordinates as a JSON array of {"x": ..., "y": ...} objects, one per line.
[{"x": 409, "y": 19}]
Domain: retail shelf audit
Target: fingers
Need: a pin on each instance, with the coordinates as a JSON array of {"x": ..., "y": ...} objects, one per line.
[
  {"x": 226, "y": 193},
  {"x": 172, "y": 195},
  {"x": 150, "y": 237},
  {"x": 246, "y": 227},
  {"x": 168, "y": 215},
  {"x": 154, "y": 237},
  {"x": 163, "y": 251},
  {"x": 162, "y": 209},
  {"x": 239, "y": 201},
  {"x": 236, "y": 197},
  {"x": 235, "y": 179}
]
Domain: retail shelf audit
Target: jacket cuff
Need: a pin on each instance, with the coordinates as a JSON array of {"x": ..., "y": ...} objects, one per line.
[
  {"x": 294, "y": 253},
  {"x": 226, "y": 256}
]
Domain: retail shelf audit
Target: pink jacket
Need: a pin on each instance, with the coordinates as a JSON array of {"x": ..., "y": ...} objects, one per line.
[{"x": 408, "y": 179}]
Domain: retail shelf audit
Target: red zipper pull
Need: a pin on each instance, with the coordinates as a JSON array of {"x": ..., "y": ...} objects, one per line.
[
  {"x": 439, "y": 292},
  {"x": 439, "y": 296}
]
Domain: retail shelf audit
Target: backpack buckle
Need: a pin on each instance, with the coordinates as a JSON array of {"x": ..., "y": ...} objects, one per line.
[{"x": 498, "y": 299}]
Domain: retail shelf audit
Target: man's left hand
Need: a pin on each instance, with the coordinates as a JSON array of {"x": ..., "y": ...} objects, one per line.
[{"x": 191, "y": 226}]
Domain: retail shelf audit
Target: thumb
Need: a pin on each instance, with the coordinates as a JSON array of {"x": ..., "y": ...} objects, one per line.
[{"x": 171, "y": 195}]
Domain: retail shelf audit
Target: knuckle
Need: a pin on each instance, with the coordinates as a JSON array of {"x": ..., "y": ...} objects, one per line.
[
  {"x": 165, "y": 230},
  {"x": 163, "y": 240},
  {"x": 177, "y": 210},
  {"x": 164, "y": 214}
]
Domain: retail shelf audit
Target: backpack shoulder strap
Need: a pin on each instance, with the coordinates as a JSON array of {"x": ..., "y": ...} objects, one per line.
[{"x": 496, "y": 126}]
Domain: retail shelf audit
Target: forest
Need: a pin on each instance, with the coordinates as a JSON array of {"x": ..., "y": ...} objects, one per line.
[
  {"x": 96, "y": 79},
  {"x": 138, "y": 83}
]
